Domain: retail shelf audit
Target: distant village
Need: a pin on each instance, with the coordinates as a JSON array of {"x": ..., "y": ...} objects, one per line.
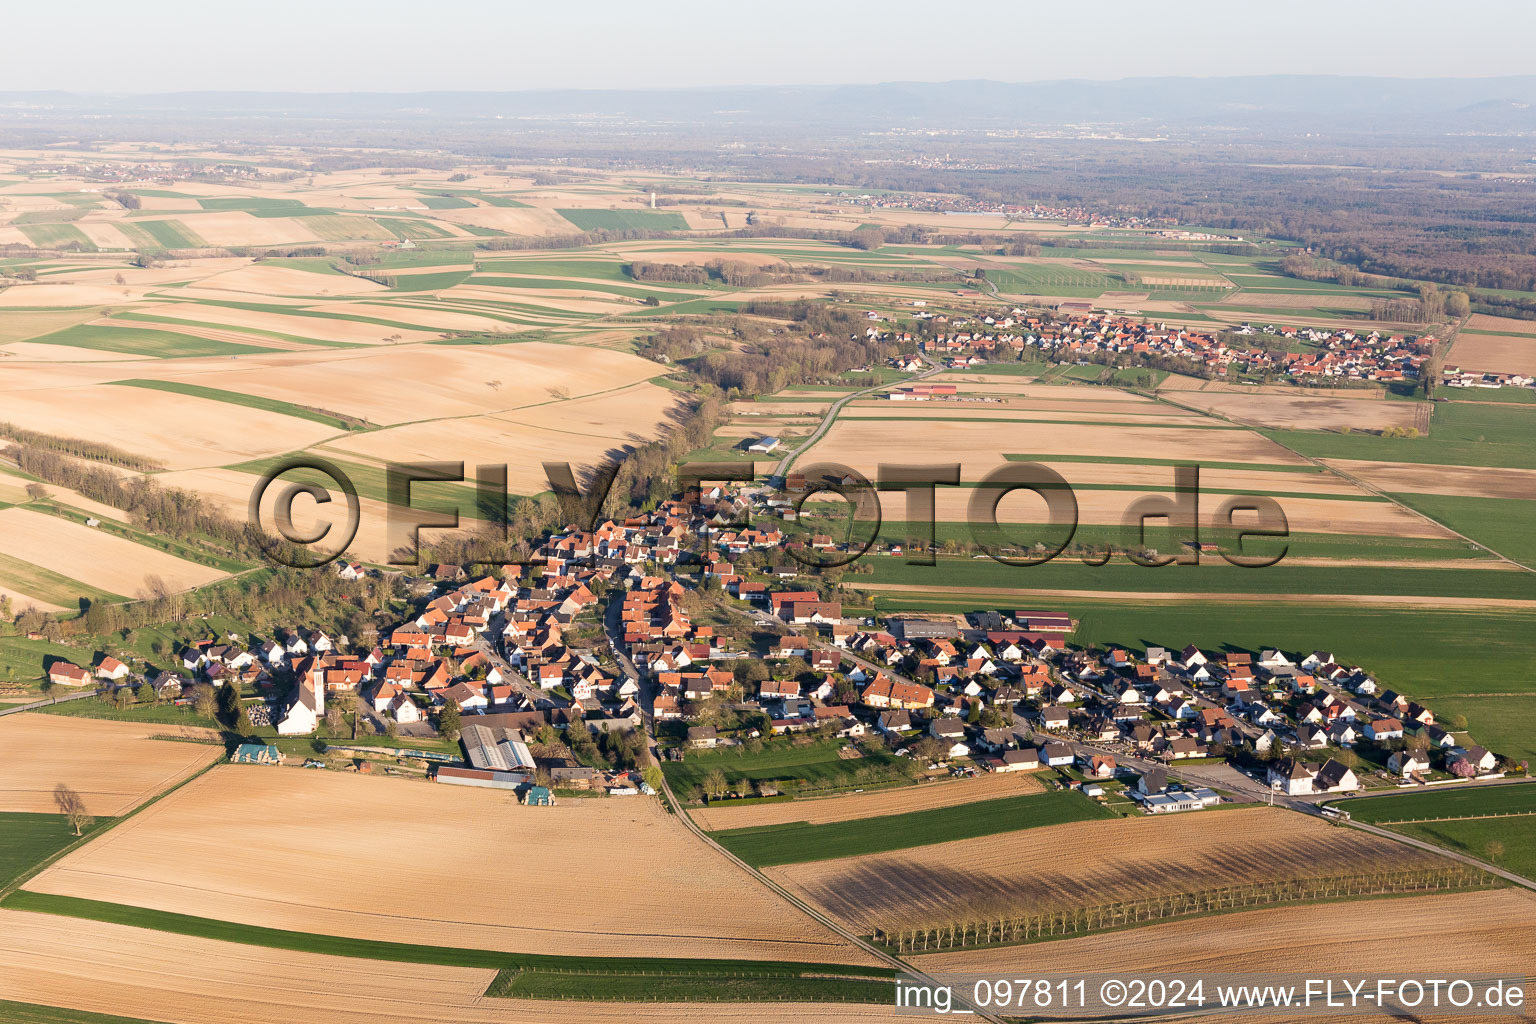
[{"x": 1079, "y": 333}]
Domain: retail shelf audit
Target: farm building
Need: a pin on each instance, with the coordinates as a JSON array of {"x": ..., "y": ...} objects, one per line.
[
  {"x": 256, "y": 753},
  {"x": 481, "y": 779},
  {"x": 498, "y": 750},
  {"x": 1169, "y": 802},
  {"x": 62, "y": 673},
  {"x": 927, "y": 629},
  {"x": 763, "y": 445}
]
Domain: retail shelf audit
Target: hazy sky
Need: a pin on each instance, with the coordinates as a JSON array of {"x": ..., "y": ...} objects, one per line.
[{"x": 397, "y": 46}]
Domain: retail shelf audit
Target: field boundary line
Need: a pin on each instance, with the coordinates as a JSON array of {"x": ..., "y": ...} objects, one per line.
[
  {"x": 37, "y": 869},
  {"x": 824, "y": 919}
]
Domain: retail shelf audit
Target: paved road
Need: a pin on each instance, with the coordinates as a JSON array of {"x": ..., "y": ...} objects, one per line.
[
  {"x": 515, "y": 678},
  {"x": 1519, "y": 880},
  {"x": 836, "y": 407},
  {"x": 815, "y": 914},
  {"x": 19, "y": 708}
]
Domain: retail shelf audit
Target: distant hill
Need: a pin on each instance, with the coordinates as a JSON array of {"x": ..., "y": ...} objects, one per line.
[{"x": 1321, "y": 100}]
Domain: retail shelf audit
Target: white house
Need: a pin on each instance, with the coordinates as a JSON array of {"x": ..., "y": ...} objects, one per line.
[
  {"x": 1406, "y": 762},
  {"x": 304, "y": 711},
  {"x": 1056, "y": 755},
  {"x": 1293, "y": 778},
  {"x": 111, "y": 668}
]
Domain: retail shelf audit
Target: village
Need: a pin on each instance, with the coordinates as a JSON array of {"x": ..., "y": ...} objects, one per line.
[
  {"x": 677, "y": 634},
  {"x": 1080, "y": 332}
]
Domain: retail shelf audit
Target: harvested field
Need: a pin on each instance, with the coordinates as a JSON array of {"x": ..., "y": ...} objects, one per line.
[
  {"x": 1295, "y": 300},
  {"x": 406, "y": 383},
  {"x": 631, "y": 414},
  {"x": 1501, "y": 324},
  {"x": 95, "y": 558},
  {"x": 318, "y": 327},
  {"x": 486, "y": 440},
  {"x": 863, "y": 444},
  {"x": 1491, "y": 353},
  {"x": 987, "y": 597},
  {"x": 1288, "y": 412},
  {"x": 691, "y": 902},
  {"x": 178, "y": 431},
  {"x": 114, "y": 766},
  {"x": 261, "y": 279},
  {"x": 427, "y": 319},
  {"x": 62, "y": 295},
  {"x": 1019, "y": 872},
  {"x": 1431, "y": 935},
  {"x": 230, "y": 491},
  {"x": 236, "y": 227},
  {"x": 1460, "y": 481},
  {"x": 125, "y": 971},
  {"x": 1233, "y": 479},
  {"x": 1010, "y": 413},
  {"x": 21, "y": 602},
  {"x": 867, "y": 805}
]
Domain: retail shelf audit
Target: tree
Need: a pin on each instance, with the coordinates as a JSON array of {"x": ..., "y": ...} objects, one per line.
[
  {"x": 715, "y": 785},
  {"x": 48, "y": 688},
  {"x": 147, "y": 694},
  {"x": 229, "y": 704},
  {"x": 652, "y": 775},
  {"x": 975, "y": 715},
  {"x": 448, "y": 721},
  {"x": 36, "y": 492},
  {"x": 929, "y": 748},
  {"x": 204, "y": 701},
  {"x": 1495, "y": 850},
  {"x": 72, "y": 807}
]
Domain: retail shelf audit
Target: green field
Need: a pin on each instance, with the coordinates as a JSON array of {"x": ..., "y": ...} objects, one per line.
[
  {"x": 250, "y": 203},
  {"x": 798, "y": 841},
  {"x": 12, "y": 1012},
  {"x": 1207, "y": 578},
  {"x": 788, "y": 763},
  {"x": 1460, "y": 802},
  {"x": 1460, "y": 434},
  {"x": 339, "y": 228},
  {"x": 416, "y": 230},
  {"x": 372, "y": 482},
  {"x": 53, "y": 236},
  {"x": 1420, "y": 653},
  {"x": 1507, "y": 525},
  {"x": 625, "y": 220},
  {"x": 1045, "y": 279},
  {"x": 26, "y": 840},
  {"x": 165, "y": 234},
  {"x": 21, "y": 660},
  {"x": 144, "y": 342},
  {"x": 239, "y": 398},
  {"x": 446, "y": 203},
  {"x": 519, "y": 974},
  {"x": 429, "y": 282},
  {"x": 1501, "y": 723},
  {"x": 154, "y": 714},
  {"x": 1508, "y": 842}
]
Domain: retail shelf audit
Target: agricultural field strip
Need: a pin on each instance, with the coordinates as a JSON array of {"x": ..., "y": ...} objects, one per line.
[
  {"x": 1114, "y": 859},
  {"x": 311, "y": 815},
  {"x": 800, "y": 841}
]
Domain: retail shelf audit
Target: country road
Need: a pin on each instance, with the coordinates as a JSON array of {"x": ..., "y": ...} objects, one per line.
[
  {"x": 836, "y": 407},
  {"x": 900, "y": 966}
]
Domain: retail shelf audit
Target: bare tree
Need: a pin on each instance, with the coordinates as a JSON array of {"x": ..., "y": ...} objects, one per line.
[{"x": 72, "y": 807}]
